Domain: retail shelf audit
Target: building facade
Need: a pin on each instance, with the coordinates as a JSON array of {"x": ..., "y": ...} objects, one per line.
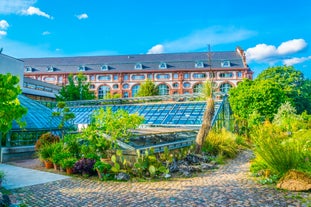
[{"x": 172, "y": 73}]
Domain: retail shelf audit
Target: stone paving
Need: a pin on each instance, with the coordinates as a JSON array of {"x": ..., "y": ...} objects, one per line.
[{"x": 230, "y": 185}]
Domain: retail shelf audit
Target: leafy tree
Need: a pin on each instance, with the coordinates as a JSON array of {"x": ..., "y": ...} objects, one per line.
[
  {"x": 269, "y": 90},
  {"x": 10, "y": 108},
  {"x": 297, "y": 89},
  {"x": 262, "y": 96},
  {"x": 63, "y": 112},
  {"x": 148, "y": 88},
  {"x": 73, "y": 92},
  {"x": 114, "y": 124}
]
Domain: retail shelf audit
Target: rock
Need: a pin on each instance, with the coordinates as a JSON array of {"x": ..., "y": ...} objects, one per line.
[
  {"x": 207, "y": 166},
  {"x": 122, "y": 177},
  {"x": 193, "y": 159},
  {"x": 294, "y": 180},
  {"x": 166, "y": 176},
  {"x": 173, "y": 167}
]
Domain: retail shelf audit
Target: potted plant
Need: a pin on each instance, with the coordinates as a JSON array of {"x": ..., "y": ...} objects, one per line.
[
  {"x": 57, "y": 155},
  {"x": 85, "y": 166},
  {"x": 68, "y": 164},
  {"x": 103, "y": 169},
  {"x": 45, "y": 154}
]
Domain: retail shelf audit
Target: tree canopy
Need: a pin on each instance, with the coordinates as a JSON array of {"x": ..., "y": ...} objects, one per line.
[
  {"x": 75, "y": 91},
  {"x": 10, "y": 108},
  {"x": 268, "y": 91},
  {"x": 148, "y": 88},
  {"x": 293, "y": 83}
]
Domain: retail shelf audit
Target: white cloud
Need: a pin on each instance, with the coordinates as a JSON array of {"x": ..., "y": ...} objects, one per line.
[
  {"x": 82, "y": 16},
  {"x": 46, "y": 33},
  {"x": 295, "y": 60},
  {"x": 291, "y": 46},
  {"x": 14, "y": 6},
  {"x": 271, "y": 53},
  {"x": 201, "y": 38},
  {"x": 261, "y": 52},
  {"x": 4, "y": 24},
  {"x": 157, "y": 49},
  {"x": 2, "y": 33},
  {"x": 35, "y": 11}
]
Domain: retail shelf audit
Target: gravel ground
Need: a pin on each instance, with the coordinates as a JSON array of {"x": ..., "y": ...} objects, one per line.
[{"x": 230, "y": 185}]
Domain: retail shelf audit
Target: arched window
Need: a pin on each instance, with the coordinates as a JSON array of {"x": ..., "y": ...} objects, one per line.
[
  {"x": 103, "y": 91},
  {"x": 134, "y": 90},
  {"x": 163, "y": 89},
  {"x": 197, "y": 88},
  {"x": 126, "y": 86},
  {"x": 225, "y": 87},
  {"x": 186, "y": 85}
]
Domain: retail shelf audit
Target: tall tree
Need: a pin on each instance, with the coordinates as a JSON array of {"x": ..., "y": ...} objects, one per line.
[
  {"x": 75, "y": 91},
  {"x": 297, "y": 89},
  {"x": 207, "y": 116},
  {"x": 10, "y": 108},
  {"x": 261, "y": 96},
  {"x": 148, "y": 88}
]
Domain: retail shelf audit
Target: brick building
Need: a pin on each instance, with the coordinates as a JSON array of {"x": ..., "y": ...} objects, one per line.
[{"x": 173, "y": 73}]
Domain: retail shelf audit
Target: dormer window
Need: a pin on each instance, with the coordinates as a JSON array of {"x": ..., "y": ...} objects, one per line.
[
  {"x": 162, "y": 65},
  {"x": 105, "y": 67},
  {"x": 199, "y": 64},
  {"x": 81, "y": 68},
  {"x": 138, "y": 66},
  {"x": 28, "y": 69},
  {"x": 225, "y": 64},
  {"x": 50, "y": 69}
]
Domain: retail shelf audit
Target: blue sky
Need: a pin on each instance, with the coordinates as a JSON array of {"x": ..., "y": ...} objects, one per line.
[{"x": 271, "y": 32}]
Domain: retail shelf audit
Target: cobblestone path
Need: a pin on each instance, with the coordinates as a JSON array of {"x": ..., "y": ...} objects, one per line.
[{"x": 230, "y": 185}]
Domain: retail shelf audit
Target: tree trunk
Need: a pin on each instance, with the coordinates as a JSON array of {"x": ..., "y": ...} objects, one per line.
[{"x": 206, "y": 125}]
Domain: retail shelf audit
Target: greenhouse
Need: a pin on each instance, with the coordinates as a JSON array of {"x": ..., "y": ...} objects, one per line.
[{"x": 182, "y": 114}]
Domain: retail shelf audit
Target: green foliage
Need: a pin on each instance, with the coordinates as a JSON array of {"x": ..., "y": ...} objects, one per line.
[
  {"x": 10, "y": 108},
  {"x": 63, "y": 112},
  {"x": 115, "y": 124},
  {"x": 148, "y": 88},
  {"x": 75, "y": 91},
  {"x": 262, "y": 96},
  {"x": 147, "y": 165},
  {"x": 68, "y": 162},
  {"x": 46, "y": 138},
  {"x": 296, "y": 88},
  {"x": 221, "y": 143},
  {"x": 120, "y": 164},
  {"x": 94, "y": 143},
  {"x": 281, "y": 151},
  {"x": 2, "y": 175},
  {"x": 58, "y": 152},
  {"x": 287, "y": 119},
  {"x": 46, "y": 152},
  {"x": 104, "y": 169},
  {"x": 112, "y": 96},
  {"x": 73, "y": 145}
]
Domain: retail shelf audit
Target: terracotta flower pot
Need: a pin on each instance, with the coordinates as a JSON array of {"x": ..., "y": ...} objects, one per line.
[
  {"x": 69, "y": 170},
  {"x": 48, "y": 164}
]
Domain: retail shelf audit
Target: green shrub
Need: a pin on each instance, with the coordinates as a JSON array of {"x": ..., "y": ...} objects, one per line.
[
  {"x": 280, "y": 151},
  {"x": 222, "y": 142},
  {"x": 46, "y": 138},
  {"x": 46, "y": 152}
]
